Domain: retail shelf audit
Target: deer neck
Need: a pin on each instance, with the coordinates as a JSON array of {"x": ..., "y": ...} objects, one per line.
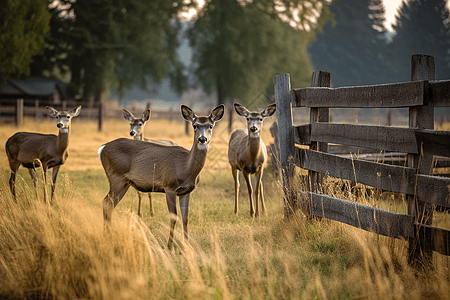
[
  {"x": 196, "y": 160},
  {"x": 139, "y": 137},
  {"x": 63, "y": 140},
  {"x": 254, "y": 146}
]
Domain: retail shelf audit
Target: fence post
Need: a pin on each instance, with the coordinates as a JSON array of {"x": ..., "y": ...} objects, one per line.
[
  {"x": 36, "y": 108},
  {"x": 286, "y": 135},
  {"x": 230, "y": 120},
  {"x": 19, "y": 111},
  {"x": 100, "y": 116},
  {"x": 322, "y": 114},
  {"x": 422, "y": 68}
]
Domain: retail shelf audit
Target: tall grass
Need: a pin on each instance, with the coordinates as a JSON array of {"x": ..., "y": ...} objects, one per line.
[{"x": 63, "y": 252}]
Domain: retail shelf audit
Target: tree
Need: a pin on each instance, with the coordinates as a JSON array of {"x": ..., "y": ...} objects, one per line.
[
  {"x": 107, "y": 44},
  {"x": 23, "y": 26},
  {"x": 353, "y": 49},
  {"x": 239, "y": 46},
  {"x": 422, "y": 27}
]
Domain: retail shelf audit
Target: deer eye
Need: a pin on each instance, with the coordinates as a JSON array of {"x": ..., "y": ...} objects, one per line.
[
  {"x": 260, "y": 119},
  {"x": 140, "y": 125},
  {"x": 68, "y": 117},
  {"x": 195, "y": 127},
  {"x": 210, "y": 126},
  {"x": 248, "y": 119}
]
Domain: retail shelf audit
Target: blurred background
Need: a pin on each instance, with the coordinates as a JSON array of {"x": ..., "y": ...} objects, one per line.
[{"x": 162, "y": 53}]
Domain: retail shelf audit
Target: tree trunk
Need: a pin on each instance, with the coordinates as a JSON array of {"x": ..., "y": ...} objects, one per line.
[{"x": 220, "y": 93}]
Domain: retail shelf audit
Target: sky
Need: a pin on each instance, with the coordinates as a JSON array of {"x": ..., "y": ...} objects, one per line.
[{"x": 391, "y": 9}]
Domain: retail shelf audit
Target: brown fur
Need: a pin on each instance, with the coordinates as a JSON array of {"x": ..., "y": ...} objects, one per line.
[
  {"x": 137, "y": 126},
  {"x": 247, "y": 153},
  {"x": 25, "y": 148},
  {"x": 152, "y": 167}
]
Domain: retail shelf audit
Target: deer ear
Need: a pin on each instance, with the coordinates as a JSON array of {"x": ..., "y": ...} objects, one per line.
[
  {"x": 53, "y": 112},
  {"x": 128, "y": 115},
  {"x": 240, "y": 109},
  {"x": 217, "y": 113},
  {"x": 188, "y": 114},
  {"x": 75, "y": 111},
  {"x": 146, "y": 115},
  {"x": 270, "y": 110}
]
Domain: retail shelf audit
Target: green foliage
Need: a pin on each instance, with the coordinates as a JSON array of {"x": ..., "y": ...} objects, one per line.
[
  {"x": 422, "y": 27},
  {"x": 113, "y": 44},
  {"x": 239, "y": 48},
  {"x": 353, "y": 49},
  {"x": 23, "y": 26}
]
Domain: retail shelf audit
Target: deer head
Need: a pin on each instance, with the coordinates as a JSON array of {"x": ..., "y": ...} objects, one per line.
[
  {"x": 203, "y": 126},
  {"x": 254, "y": 119},
  {"x": 64, "y": 117},
  {"x": 137, "y": 124}
]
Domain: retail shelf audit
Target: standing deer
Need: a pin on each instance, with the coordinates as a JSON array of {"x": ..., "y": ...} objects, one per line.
[
  {"x": 25, "y": 148},
  {"x": 247, "y": 153},
  {"x": 152, "y": 167},
  {"x": 137, "y": 132}
]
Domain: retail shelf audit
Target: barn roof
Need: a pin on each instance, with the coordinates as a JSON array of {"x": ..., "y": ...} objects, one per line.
[{"x": 38, "y": 86}]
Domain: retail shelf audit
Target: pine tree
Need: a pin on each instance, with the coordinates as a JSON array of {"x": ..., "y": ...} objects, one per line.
[
  {"x": 239, "y": 46},
  {"x": 23, "y": 26},
  {"x": 110, "y": 44},
  {"x": 422, "y": 27},
  {"x": 353, "y": 49}
]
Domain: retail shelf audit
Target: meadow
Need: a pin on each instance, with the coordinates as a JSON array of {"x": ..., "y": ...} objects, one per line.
[{"x": 63, "y": 252}]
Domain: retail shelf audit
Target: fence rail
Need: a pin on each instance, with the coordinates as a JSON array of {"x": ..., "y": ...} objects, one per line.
[
  {"x": 413, "y": 153},
  {"x": 17, "y": 109}
]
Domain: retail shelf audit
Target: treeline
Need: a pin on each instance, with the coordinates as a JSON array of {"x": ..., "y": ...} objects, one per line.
[
  {"x": 98, "y": 46},
  {"x": 358, "y": 50}
]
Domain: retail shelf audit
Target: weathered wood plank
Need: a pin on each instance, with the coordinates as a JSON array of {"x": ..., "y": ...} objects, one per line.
[
  {"x": 302, "y": 134},
  {"x": 282, "y": 87},
  {"x": 429, "y": 189},
  {"x": 403, "y": 94},
  {"x": 423, "y": 67},
  {"x": 440, "y": 93},
  {"x": 364, "y": 217},
  {"x": 433, "y": 141},
  {"x": 318, "y": 114},
  {"x": 440, "y": 238},
  {"x": 376, "y": 137}
]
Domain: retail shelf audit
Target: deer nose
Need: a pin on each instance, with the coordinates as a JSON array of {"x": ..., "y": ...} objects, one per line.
[
  {"x": 253, "y": 129},
  {"x": 132, "y": 133},
  {"x": 202, "y": 139},
  {"x": 59, "y": 125}
]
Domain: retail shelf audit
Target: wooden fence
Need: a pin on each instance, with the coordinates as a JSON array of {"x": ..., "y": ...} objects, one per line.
[
  {"x": 17, "y": 109},
  {"x": 418, "y": 143}
]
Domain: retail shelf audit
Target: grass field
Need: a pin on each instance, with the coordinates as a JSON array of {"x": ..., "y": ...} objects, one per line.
[{"x": 62, "y": 251}]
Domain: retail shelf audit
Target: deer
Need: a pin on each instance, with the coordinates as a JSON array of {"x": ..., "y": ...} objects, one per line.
[
  {"x": 153, "y": 167},
  {"x": 137, "y": 132},
  {"x": 30, "y": 148},
  {"x": 247, "y": 153}
]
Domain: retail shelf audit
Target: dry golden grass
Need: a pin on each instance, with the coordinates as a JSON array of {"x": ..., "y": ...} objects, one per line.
[{"x": 62, "y": 251}]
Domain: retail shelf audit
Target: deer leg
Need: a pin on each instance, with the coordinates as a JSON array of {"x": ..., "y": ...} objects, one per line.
[
  {"x": 44, "y": 180},
  {"x": 139, "y": 204},
  {"x": 171, "y": 198},
  {"x": 235, "y": 172},
  {"x": 54, "y": 176},
  {"x": 12, "y": 179},
  {"x": 34, "y": 179},
  {"x": 151, "y": 204},
  {"x": 258, "y": 192},
  {"x": 111, "y": 200},
  {"x": 261, "y": 195},
  {"x": 184, "y": 208},
  {"x": 250, "y": 191}
]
